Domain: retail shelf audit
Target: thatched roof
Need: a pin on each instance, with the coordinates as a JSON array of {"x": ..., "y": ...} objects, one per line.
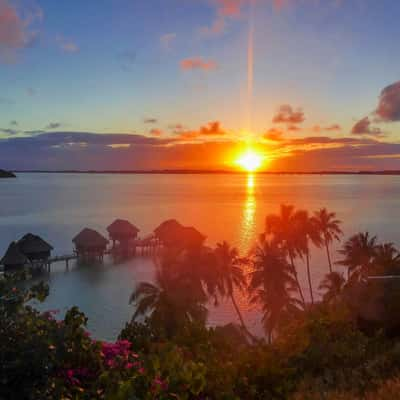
[
  {"x": 33, "y": 244},
  {"x": 14, "y": 256},
  {"x": 89, "y": 238},
  {"x": 121, "y": 227},
  {"x": 167, "y": 228},
  {"x": 171, "y": 232},
  {"x": 191, "y": 236}
]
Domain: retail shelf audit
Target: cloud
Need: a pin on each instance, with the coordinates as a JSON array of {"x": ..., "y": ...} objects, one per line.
[
  {"x": 176, "y": 128},
  {"x": 388, "y": 109},
  {"x": 90, "y": 138},
  {"x": 156, "y": 132},
  {"x": 211, "y": 129},
  {"x": 333, "y": 127},
  {"x": 167, "y": 39},
  {"x": 293, "y": 128},
  {"x": 34, "y": 132},
  {"x": 150, "y": 120},
  {"x": 319, "y": 140},
  {"x": 274, "y": 134},
  {"x": 9, "y": 131},
  {"x": 363, "y": 127},
  {"x": 53, "y": 125},
  {"x": 329, "y": 128},
  {"x": 229, "y": 8},
  {"x": 217, "y": 27},
  {"x": 286, "y": 114},
  {"x": 92, "y": 151},
  {"x": 16, "y": 32},
  {"x": 197, "y": 63},
  {"x": 67, "y": 45}
]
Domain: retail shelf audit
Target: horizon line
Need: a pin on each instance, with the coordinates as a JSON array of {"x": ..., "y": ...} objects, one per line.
[{"x": 208, "y": 172}]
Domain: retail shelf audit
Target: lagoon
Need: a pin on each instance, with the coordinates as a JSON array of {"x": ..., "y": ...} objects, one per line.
[{"x": 222, "y": 206}]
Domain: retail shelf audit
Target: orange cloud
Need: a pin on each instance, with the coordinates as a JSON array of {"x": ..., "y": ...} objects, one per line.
[
  {"x": 156, "y": 132},
  {"x": 197, "y": 63},
  {"x": 213, "y": 128},
  {"x": 67, "y": 45},
  {"x": 286, "y": 114},
  {"x": 274, "y": 134}
]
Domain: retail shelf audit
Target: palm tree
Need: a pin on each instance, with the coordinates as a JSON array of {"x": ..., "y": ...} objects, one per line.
[
  {"x": 359, "y": 254},
  {"x": 307, "y": 231},
  {"x": 328, "y": 227},
  {"x": 333, "y": 285},
  {"x": 231, "y": 276},
  {"x": 272, "y": 281},
  {"x": 172, "y": 300},
  {"x": 386, "y": 260},
  {"x": 284, "y": 230}
]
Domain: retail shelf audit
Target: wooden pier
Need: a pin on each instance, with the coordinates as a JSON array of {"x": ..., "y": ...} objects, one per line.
[
  {"x": 33, "y": 253},
  {"x": 67, "y": 258}
]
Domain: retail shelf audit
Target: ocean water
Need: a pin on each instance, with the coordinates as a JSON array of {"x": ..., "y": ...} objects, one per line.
[{"x": 223, "y": 207}]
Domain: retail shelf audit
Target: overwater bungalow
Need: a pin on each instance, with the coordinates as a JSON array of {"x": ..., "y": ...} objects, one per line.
[
  {"x": 168, "y": 233},
  {"x": 14, "y": 258},
  {"x": 90, "y": 245},
  {"x": 123, "y": 235},
  {"x": 191, "y": 237},
  {"x": 172, "y": 234},
  {"x": 36, "y": 249}
]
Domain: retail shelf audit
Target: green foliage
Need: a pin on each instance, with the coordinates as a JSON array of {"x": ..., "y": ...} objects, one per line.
[{"x": 318, "y": 351}]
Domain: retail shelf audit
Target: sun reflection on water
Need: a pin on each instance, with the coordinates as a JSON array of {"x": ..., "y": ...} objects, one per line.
[{"x": 249, "y": 213}]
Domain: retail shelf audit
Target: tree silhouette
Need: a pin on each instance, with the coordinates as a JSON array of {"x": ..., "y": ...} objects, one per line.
[
  {"x": 307, "y": 232},
  {"x": 328, "y": 227},
  {"x": 386, "y": 260},
  {"x": 231, "y": 276},
  {"x": 332, "y": 285},
  {"x": 284, "y": 229},
  {"x": 272, "y": 282},
  {"x": 175, "y": 298},
  {"x": 359, "y": 256}
]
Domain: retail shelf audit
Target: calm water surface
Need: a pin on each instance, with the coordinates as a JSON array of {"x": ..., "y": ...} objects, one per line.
[{"x": 223, "y": 207}]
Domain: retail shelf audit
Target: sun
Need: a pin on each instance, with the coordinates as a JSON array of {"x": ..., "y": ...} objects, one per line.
[{"x": 250, "y": 160}]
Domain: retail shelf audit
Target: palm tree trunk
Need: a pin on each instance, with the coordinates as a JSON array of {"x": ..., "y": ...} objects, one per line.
[
  {"x": 309, "y": 275},
  {"x": 297, "y": 279},
  {"x": 239, "y": 314},
  {"x": 329, "y": 256}
]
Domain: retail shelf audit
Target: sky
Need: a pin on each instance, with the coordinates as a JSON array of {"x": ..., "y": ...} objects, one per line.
[{"x": 190, "y": 84}]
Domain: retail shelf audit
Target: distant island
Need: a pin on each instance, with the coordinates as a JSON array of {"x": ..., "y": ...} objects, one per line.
[
  {"x": 6, "y": 174},
  {"x": 215, "y": 171}
]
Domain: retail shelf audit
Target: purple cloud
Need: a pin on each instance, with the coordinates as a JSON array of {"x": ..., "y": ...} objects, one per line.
[{"x": 363, "y": 127}]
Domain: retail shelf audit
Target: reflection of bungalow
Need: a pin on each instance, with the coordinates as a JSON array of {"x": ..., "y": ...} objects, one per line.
[
  {"x": 124, "y": 233},
  {"x": 90, "y": 245},
  {"x": 13, "y": 259},
  {"x": 35, "y": 248},
  {"x": 172, "y": 234}
]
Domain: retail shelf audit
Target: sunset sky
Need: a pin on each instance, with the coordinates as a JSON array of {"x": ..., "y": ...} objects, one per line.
[{"x": 154, "y": 84}]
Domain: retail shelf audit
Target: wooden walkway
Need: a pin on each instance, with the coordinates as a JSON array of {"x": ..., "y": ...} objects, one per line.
[{"x": 147, "y": 246}]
